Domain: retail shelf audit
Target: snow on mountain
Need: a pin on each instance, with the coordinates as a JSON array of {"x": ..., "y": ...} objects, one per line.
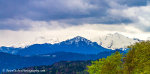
[
  {"x": 79, "y": 44},
  {"x": 111, "y": 41},
  {"x": 116, "y": 41},
  {"x": 137, "y": 39},
  {"x": 77, "y": 40},
  {"x": 76, "y": 45},
  {"x": 148, "y": 38}
]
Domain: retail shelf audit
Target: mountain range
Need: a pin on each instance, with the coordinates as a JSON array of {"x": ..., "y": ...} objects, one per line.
[
  {"x": 10, "y": 61},
  {"x": 77, "y": 48},
  {"x": 76, "y": 45}
]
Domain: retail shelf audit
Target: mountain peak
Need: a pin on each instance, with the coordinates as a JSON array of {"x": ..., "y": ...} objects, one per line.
[
  {"x": 116, "y": 41},
  {"x": 115, "y": 34},
  {"x": 77, "y": 40}
]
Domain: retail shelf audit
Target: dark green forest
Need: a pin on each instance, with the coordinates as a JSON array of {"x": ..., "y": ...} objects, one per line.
[{"x": 64, "y": 67}]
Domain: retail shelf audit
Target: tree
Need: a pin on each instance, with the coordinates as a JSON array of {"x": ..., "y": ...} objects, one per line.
[
  {"x": 111, "y": 65},
  {"x": 137, "y": 60}
]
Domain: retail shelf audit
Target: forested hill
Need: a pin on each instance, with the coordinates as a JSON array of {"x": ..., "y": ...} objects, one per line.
[{"x": 64, "y": 67}]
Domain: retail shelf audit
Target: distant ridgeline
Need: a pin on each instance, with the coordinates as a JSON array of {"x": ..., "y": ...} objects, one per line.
[
  {"x": 74, "y": 49},
  {"x": 75, "y": 45}
]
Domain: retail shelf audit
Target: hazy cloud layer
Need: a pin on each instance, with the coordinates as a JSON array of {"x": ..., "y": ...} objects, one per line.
[{"x": 54, "y": 35}]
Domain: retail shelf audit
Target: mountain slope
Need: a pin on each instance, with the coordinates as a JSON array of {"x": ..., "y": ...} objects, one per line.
[
  {"x": 10, "y": 50},
  {"x": 79, "y": 45},
  {"x": 76, "y": 45},
  {"x": 36, "y": 49},
  {"x": 116, "y": 41},
  {"x": 9, "y": 61},
  {"x": 148, "y": 38}
]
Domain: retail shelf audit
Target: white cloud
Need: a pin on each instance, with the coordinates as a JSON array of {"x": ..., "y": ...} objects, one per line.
[
  {"x": 53, "y": 32},
  {"x": 139, "y": 15}
]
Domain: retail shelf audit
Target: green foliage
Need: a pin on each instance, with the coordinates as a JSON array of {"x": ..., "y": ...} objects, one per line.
[
  {"x": 111, "y": 65},
  {"x": 136, "y": 61}
]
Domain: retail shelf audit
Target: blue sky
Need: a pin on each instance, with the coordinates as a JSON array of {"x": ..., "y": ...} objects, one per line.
[{"x": 129, "y": 17}]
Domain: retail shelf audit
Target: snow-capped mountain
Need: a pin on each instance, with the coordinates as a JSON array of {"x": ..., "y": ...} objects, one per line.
[
  {"x": 148, "y": 38},
  {"x": 79, "y": 44},
  {"x": 76, "y": 45},
  {"x": 78, "y": 40},
  {"x": 116, "y": 41}
]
